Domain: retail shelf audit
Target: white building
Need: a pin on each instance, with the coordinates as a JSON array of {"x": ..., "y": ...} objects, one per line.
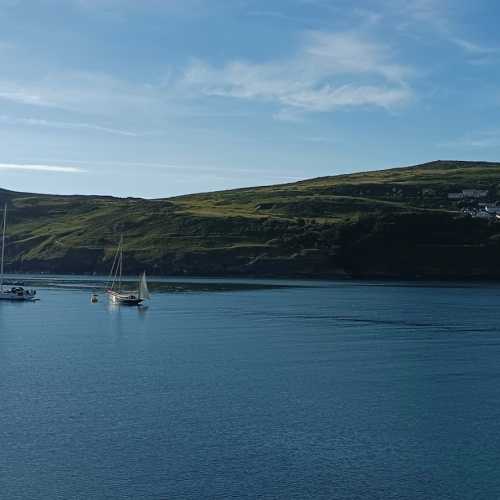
[
  {"x": 492, "y": 209},
  {"x": 468, "y": 193},
  {"x": 483, "y": 215},
  {"x": 475, "y": 193}
]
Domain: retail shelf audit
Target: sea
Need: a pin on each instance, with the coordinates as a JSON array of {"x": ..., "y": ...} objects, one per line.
[{"x": 230, "y": 388}]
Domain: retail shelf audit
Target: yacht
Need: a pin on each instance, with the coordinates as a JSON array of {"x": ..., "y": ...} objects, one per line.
[
  {"x": 12, "y": 293},
  {"x": 116, "y": 293}
]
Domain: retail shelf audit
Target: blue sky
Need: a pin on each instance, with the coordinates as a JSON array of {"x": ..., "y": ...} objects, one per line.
[{"x": 162, "y": 97}]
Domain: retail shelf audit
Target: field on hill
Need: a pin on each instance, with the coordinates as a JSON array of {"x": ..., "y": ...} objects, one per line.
[{"x": 390, "y": 223}]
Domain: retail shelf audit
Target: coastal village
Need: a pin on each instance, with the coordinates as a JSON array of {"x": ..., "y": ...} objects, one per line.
[{"x": 475, "y": 203}]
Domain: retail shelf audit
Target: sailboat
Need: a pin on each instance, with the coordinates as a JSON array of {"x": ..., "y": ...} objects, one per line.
[
  {"x": 115, "y": 292},
  {"x": 15, "y": 293}
]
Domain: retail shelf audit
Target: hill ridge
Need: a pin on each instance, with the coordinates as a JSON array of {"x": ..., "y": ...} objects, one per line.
[{"x": 393, "y": 222}]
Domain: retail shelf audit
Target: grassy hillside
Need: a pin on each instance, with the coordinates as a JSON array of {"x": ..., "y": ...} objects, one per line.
[{"x": 396, "y": 222}]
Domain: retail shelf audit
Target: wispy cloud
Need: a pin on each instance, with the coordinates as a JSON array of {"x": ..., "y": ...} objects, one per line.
[
  {"x": 160, "y": 167},
  {"x": 37, "y": 122},
  {"x": 41, "y": 168},
  {"x": 484, "y": 139},
  {"x": 290, "y": 115},
  {"x": 329, "y": 71},
  {"x": 13, "y": 92},
  {"x": 82, "y": 92},
  {"x": 437, "y": 14},
  {"x": 474, "y": 49}
]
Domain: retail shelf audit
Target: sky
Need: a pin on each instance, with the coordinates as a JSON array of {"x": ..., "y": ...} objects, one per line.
[{"x": 155, "y": 98}]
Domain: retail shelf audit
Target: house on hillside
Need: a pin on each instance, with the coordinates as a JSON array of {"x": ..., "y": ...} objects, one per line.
[
  {"x": 468, "y": 193},
  {"x": 481, "y": 214},
  {"x": 492, "y": 209},
  {"x": 475, "y": 193}
]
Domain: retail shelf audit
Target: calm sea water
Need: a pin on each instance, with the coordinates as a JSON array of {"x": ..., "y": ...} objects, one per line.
[{"x": 320, "y": 390}]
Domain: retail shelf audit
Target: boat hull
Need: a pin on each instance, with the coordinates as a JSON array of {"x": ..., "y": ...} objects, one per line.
[
  {"x": 15, "y": 293},
  {"x": 15, "y": 297},
  {"x": 124, "y": 299}
]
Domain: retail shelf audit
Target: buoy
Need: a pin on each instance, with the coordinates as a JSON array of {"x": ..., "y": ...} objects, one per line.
[{"x": 94, "y": 298}]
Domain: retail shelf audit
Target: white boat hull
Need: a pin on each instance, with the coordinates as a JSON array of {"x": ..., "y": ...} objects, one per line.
[
  {"x": 124, "y": 298},
  {"x": 115, "y": 293},
  {"x": 17, "y": 296}
]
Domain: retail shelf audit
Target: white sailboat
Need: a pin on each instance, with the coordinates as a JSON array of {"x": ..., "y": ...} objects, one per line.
[
  {"x": 115, "y": 291},
  {"x": 15, "y": 293}
]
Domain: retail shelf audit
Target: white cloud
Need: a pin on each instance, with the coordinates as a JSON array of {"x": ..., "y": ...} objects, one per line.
[
  {"x": 17, "y": 94},
  {"x": 438, "y": 15},
  {"x": 474, "y": 49},
  {"x": 328, "y": 97},
  {"x": 65, "y": 125},
  {"x": 156, "y": 168},
  {"x": 327, "y": 71},
  {"x": 331, "y": 70},
  {"x": 82, "y": 92},
  {"x": 353, "y": 54},
  {"x": 40, "y": 168}
]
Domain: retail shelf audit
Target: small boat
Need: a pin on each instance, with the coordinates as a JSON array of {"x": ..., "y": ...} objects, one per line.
[
  {"x": 94, "y": 298},
  {"x": 17, "y": 293},
  {"x": 116, "y": 293},
  {"x": 14, "y": 293}
]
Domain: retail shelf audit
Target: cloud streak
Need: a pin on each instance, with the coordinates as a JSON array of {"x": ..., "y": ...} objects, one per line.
[
  {"x": 474, "y": 49},
  {"x": 437, "y": 15},
  {"x": 157, "y": 168},
  {"x": 83, "y": 92},
  {"x": 329, "y": 71},
  {"x": 14, "y": 93},
  {"x": 41, "y": 168},
  {"x": 37, "y": 122}
]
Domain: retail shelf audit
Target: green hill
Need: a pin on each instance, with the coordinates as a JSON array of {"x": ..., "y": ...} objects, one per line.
[{"x": 391, "y": 223}]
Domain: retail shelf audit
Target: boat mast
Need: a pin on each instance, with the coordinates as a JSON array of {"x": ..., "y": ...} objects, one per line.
[
  {"x": 115, "y": 273},
  {"x": 120, "y": 265},
  {"x": 3, "y": 245}
]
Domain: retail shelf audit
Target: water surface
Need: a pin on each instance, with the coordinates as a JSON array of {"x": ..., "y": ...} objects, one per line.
[{"x": 238, "y": 389}]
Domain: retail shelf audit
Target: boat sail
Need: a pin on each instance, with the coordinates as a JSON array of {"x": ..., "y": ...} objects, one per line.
[
  {"x": 143, "y": 287},
  {"x": 15, "y": 293},
  {"x": 115, "y": 291}
]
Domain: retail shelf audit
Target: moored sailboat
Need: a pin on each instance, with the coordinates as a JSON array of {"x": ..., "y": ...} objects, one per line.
[
  {"x": 115, "y": 291},
  {"x": 14, "y": 293}
]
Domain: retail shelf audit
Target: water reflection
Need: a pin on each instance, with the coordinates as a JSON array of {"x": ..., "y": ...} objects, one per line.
[
  {"x": 124, "y": 320},
  {"x": 212, "y": 385},
  {"x": 142, "y": 309},
  {"x": 157, "y": 285},
  {"x": 117, "y": 308}
]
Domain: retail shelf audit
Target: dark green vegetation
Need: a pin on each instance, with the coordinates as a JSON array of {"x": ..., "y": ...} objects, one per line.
[{"x": 391, "y": 223}]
